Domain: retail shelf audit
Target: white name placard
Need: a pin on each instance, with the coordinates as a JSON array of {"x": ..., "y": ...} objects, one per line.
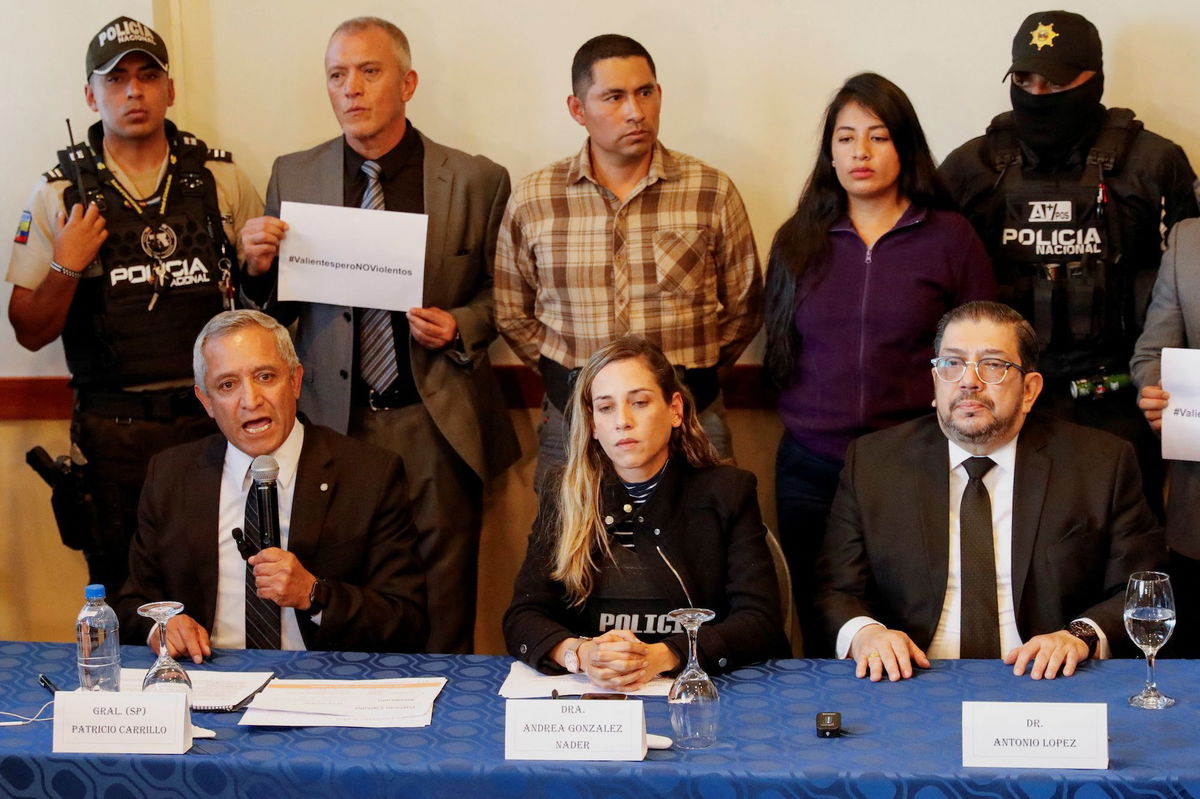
[
  {"x": 1035, "y": 734},
  {"x": 587, "y": 729},
  {"x": 111, "y": 722}
]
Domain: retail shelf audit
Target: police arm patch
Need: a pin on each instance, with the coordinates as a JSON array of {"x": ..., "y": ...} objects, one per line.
[{"x": 23, "y": 228}]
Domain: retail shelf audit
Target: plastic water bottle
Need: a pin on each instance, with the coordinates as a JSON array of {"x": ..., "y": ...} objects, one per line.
[{"x": 98, "y": 646}]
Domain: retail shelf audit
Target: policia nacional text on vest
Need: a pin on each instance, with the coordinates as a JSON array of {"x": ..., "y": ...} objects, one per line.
[
  {"x": 1060, "y": 249},
  {"x": 165, "y": 269}
]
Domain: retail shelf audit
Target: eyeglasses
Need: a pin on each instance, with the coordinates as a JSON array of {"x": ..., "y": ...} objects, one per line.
[{"x": 990, "y": 370}]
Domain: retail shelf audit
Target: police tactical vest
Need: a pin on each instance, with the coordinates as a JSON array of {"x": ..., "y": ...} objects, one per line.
[
  {"x": 1060, "y": 240},
  {"x": 160, "y": 275}
]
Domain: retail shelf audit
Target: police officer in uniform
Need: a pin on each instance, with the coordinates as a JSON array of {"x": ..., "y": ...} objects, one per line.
[
  {"x": 125, "y": 250},
  {"x": 1072, "y": 200}
]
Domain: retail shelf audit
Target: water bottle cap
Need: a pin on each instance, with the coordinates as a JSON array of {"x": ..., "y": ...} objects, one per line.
[{"x": 94, "y": 591}]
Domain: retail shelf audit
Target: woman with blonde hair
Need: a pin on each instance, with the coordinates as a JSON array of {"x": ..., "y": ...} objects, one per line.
[{"x": 642, "y": 520}]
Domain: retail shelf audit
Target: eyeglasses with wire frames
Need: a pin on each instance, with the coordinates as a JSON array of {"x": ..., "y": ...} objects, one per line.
[{"x": 990, "y": 370}]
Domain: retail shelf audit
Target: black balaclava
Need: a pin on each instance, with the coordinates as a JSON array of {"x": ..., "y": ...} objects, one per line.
[{"x": 1052, "y": 125}]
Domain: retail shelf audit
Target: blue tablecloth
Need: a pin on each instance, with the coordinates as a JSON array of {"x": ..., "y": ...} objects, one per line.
[{"x": 906, "y": 738}]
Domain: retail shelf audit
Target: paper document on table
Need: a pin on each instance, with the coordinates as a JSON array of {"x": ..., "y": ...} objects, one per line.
[
  {"x": 1181, "y": 419},
  {"x": 352, "y": 256},
  {"x": 211, "y": 690},
  {"x": 525, "y": 682},
  {"x": 399, "y": 702}
]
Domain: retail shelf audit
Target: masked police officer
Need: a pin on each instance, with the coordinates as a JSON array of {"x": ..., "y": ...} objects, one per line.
[
  {"x": 125, "y": 250},
  {"x": 1071, "y": 200}
]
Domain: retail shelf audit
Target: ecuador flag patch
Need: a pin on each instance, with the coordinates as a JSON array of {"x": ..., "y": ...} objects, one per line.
[{"x": 23, "y": 228}]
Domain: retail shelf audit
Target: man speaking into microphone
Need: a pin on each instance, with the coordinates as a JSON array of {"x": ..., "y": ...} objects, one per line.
[
  {"x": 263, "y": 509},
  {"x": 345, "y": 574}
]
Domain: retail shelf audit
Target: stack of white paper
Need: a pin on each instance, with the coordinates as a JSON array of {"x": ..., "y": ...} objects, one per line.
[
  {"x": 211, "y": 690},
  {"x": 525, "y": 682},
  {"x": 400, "y": 702}
]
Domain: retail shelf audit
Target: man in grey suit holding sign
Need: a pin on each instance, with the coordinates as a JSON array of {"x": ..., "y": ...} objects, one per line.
[{"x": 418, "y": 383}]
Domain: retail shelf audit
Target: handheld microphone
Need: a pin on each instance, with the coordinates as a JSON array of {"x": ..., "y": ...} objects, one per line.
[{"x": 264, "y": 471}]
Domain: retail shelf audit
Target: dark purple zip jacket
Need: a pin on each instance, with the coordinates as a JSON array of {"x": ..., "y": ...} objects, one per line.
[{"x": 866, "y": 319}]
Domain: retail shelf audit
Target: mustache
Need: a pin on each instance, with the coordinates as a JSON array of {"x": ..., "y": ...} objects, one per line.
[{"x": 962, "y": 397}]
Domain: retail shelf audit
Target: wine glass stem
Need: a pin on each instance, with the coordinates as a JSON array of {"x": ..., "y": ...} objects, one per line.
[
  {"x": 692, "y": 631},
  {"x": 1150, "y": 672},
  {"x": 162, "y": 638}
]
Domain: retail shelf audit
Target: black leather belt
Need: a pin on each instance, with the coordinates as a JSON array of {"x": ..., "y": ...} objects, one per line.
[
  {"x": 558, "y": 380},
  {"x": 160, "y": 405},
  {"x": 704, "y": 384},
  {"x": 388, "y": 400}
]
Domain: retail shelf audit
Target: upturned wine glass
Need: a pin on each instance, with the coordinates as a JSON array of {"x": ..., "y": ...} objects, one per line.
[
  {"x": 165, "y": 675},
  {"x": 1149, "y": 620},
  {"x": 693, "y": 697}
]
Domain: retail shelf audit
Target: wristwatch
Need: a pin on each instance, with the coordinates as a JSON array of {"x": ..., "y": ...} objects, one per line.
[
  {"x": 571, "y": 656},
  {"x": 1086, "y": 633},
  {"x": 318, "y": 596}
]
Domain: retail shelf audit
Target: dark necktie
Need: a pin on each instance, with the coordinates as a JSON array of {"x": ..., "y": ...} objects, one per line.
[
  {"x": 980, "y": 618},
  {"x": 262, "y": 615},
  {"x": 376, "y": 342}
]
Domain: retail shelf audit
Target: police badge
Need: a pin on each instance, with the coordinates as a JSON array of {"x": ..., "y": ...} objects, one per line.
[
  {"x": 1043, "y": 36},
  {"x": 159, "y": 242}
]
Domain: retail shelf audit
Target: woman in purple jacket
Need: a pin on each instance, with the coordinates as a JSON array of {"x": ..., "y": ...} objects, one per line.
[{"x": 857, "y": 280}]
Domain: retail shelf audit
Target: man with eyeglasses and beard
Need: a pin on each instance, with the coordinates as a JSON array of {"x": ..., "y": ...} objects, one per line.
[
  {"x": 983, "y": 531},
  {"x": 1072, "y": 200}
]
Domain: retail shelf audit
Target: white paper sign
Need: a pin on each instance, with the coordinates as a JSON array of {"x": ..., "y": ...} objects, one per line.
[
  {"x": 112, "y": 722},
  {"x": 1035, "y": 734},
  {"x": 352, "y": 256},
  {"x": 1181, "y": 419},
  {"x": 590, "y": 729}
]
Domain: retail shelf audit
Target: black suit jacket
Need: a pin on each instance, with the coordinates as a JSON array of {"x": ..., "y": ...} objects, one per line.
[
  {"x": 350, "y": 523},
  {"x": 1080, "y": 527},
  {"x": 702, "y": 541}
]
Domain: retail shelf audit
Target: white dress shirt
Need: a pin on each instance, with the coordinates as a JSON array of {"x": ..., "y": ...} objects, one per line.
[
  {"x": 999, "y": 484},
  {"x": 229, "y": 627},
  {"x": 946, "y": 637}
]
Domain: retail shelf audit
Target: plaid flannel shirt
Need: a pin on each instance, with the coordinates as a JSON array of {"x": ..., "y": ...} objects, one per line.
[{"x": 675, "y": 262}]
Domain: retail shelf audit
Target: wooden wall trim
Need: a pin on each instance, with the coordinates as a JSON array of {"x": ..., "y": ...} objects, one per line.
[
  {"x": 34, "y": 398},
  {"x": 50, "y": 397}
]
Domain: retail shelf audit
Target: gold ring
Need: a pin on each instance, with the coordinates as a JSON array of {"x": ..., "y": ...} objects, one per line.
[{"x": 873, "y": 655}]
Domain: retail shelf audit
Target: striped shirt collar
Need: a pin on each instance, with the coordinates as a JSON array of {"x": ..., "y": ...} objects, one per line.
[{"x": 642, "y": 491}]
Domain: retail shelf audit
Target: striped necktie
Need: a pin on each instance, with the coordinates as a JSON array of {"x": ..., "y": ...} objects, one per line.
[
  {"x": 262, "y": 615},
  {"x": 376, "y": 341}
]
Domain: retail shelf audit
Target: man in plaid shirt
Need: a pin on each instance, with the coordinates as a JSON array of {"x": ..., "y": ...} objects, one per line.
[{"x": 624, "y": 237}]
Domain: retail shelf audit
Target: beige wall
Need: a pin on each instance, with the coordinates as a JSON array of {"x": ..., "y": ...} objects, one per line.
[{"x": 41, "y": 581}]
